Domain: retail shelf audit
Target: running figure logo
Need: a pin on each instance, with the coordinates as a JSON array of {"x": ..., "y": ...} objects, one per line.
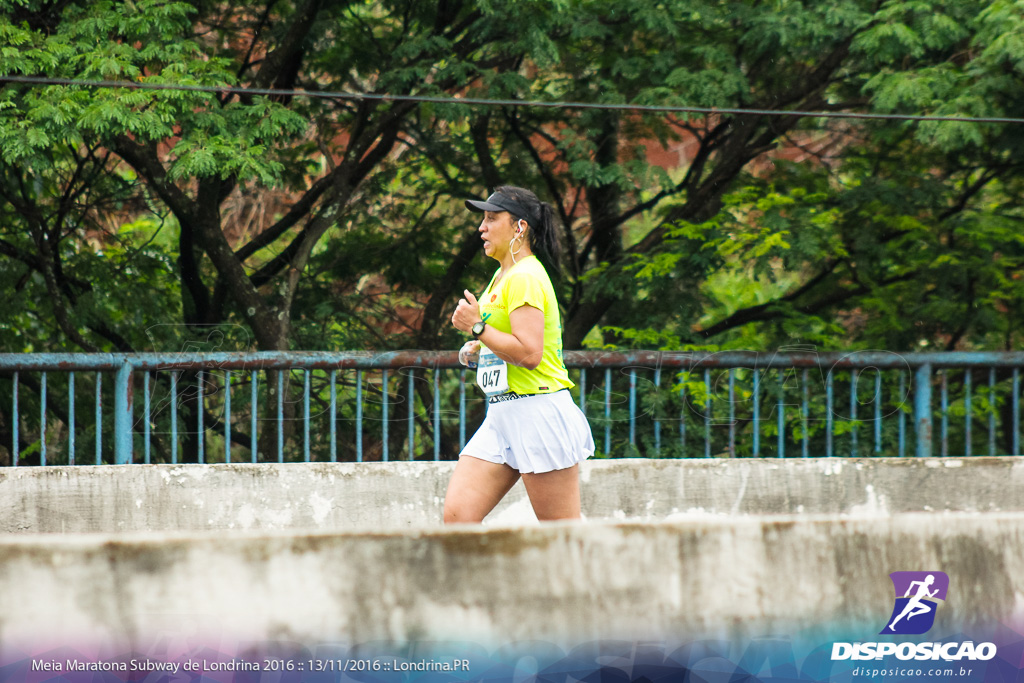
[{"x": 914, "y": 612}]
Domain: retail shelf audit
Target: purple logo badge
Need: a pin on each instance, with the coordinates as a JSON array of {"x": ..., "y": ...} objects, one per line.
[{"x": 917, "y": 594}]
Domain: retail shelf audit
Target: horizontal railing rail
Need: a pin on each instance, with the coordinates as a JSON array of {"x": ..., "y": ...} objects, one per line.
[{"x": 210, "y": 407}]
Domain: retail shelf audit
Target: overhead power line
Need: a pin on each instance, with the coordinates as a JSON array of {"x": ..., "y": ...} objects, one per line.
[{"x": 483, "y": 102}]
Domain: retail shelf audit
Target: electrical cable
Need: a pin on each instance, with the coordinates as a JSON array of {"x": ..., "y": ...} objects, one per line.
[{"x": 473, "y": 101}]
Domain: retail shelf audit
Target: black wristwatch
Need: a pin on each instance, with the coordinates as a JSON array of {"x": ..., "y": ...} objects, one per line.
[{"x": 478, "y": 329}]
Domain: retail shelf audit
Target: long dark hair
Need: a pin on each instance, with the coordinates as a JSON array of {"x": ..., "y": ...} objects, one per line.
[{"x": 543, "y": 235}]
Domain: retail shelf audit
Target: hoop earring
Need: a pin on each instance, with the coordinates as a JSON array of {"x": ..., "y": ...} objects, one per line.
[{"x": 515, "y": 251}]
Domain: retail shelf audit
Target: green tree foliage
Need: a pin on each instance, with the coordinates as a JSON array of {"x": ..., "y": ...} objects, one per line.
[{"x": 145, "y": 219}]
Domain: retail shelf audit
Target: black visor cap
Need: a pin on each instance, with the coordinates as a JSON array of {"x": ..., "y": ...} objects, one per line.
[{"x": 497, "y": 203}]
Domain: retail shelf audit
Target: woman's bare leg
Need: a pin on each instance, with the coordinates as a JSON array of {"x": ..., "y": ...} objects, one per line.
[
  {"x": 475, "y": 488},
  {"x": 556, "y": 494}
]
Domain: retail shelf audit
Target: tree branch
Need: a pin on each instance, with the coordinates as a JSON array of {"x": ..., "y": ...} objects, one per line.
[
  {"x": 969, "y": 192},
  {"x": 471, "y": 245},
  {"x": 277, "y": 60},
  {"x": 761, "y": 311},
  {"x": 298, "y": 210},
  {"x": 60, "y": 312},
  {"x": 482, "y": 147}
]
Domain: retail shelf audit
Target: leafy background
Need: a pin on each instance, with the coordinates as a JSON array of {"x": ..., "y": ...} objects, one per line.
[{"x": 141, "y": 220}]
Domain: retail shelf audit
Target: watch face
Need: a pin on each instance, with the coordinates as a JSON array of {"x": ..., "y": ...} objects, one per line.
[{"x": 478, "y": 328}]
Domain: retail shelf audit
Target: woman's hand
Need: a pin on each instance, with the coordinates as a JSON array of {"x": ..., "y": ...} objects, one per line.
[
  {"x": 470, "y": 353},
  {"x": 467, "y": 313}
]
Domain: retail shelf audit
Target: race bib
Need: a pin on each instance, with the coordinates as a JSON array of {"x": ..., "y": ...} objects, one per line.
[{"x": 491, "y": 373}]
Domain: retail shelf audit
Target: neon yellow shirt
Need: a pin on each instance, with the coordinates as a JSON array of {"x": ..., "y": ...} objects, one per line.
[{"x": 528, "y": 284}]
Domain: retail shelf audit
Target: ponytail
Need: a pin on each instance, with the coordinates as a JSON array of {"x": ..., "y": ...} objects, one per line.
[{"x": 544, "y": 243}]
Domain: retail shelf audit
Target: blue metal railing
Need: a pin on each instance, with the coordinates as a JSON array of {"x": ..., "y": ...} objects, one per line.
[{"x": 319, "y": 406}]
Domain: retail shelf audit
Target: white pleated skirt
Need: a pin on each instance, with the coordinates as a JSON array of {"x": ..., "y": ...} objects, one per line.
[{"x": 533, "y": 434}]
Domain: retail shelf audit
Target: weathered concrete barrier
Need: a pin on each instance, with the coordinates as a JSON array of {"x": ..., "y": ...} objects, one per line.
[
  {"x": 224, "y": 555},
  {"x": 561, "y": 582},
  {"x": 346, "y": 496}
]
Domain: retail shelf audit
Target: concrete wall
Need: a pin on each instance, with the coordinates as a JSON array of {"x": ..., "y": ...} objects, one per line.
[
  {"x": 318, "y": 553},
  {"x": 325, "y": 496},
  {"x": 560, "y": 582}
]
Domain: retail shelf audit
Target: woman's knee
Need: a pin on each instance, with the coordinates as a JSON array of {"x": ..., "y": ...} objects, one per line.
[
  {"x": 475, "y": 488},
  {"x": 457, "y": 512}
]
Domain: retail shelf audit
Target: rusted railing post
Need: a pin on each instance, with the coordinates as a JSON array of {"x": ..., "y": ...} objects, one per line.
[
  {"x": 923, "y": 410},
  {"x": 123, "y": 390}
]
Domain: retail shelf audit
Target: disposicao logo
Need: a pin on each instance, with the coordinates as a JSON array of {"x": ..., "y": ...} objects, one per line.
[
  {"x": 917, "y": 594},
  {"x": 913, "y": 613}
]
